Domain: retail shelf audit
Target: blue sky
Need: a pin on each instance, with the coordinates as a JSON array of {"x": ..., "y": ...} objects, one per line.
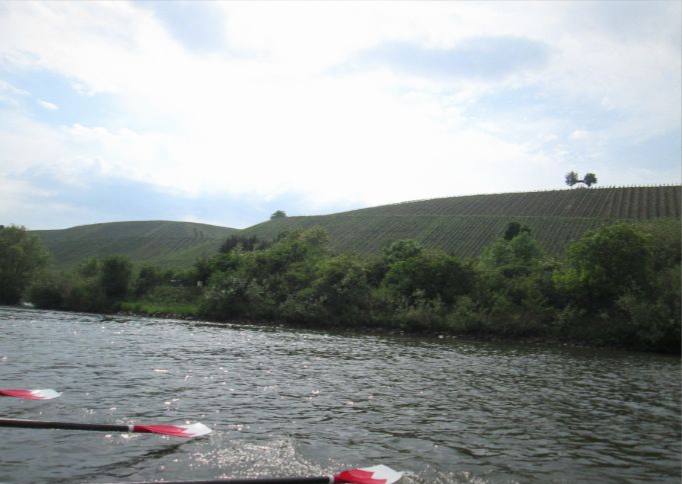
[{"x": 225, "y": 112}]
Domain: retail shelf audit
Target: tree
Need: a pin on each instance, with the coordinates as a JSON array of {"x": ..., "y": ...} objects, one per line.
[
  {"x": 572, "y": 178},
  {"x": 513, "y": 257},
  {"x": 590, "y": 179},
  {"x": 514, "y": 229},
  {"x": 247, "y": 244},
  {"x": 401, "y": 250},
  {"x": 430, "y": 275},
  {"x": 148, "y": 278},
  {"x": 278, "y": 214},
  {"x": 115, "y": 276},
  {"x": 21, "y": 255},
  {"x": 605, "y": 264},
  {"x": 340, "y": 292},
  {"x": 89, "y": 267}
]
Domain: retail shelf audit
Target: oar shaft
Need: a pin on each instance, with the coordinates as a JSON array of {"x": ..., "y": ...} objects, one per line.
[{"x": 35, "y": 424}]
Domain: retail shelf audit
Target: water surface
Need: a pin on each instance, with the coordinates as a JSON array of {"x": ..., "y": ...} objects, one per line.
[{"x": 290, "y": 402}]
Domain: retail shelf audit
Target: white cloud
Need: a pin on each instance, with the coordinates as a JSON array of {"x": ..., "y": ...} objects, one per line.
[
  {"x": 10, "y": 94},
  {"x": 48, "y": 105},
  {"x": 275, "y": 121},
  {"x": 580, "y": 134},
  {"x": 16, "y": 197}
]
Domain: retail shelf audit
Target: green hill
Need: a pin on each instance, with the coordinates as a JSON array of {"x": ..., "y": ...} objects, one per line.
[
  {"x": 464, "y": 225},
  {"x": 167, "y": 244},
  {"x": 461, "y": 225}
]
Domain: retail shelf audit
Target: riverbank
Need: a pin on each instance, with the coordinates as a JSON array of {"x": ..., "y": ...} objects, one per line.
[{"x": 150, "y": 311}]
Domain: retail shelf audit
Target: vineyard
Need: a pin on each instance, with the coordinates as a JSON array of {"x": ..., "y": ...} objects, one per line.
[
  {"x": 167, "y": 244},
  {"x": 460, "y": 225},
  {"x": 465, "y": 225},
  {"x": 608, "y": 203},
  {"x": 465, "y": 236}
]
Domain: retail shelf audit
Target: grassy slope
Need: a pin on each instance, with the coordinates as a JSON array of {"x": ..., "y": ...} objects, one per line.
[
  {"x": 462, "y": 225},
  {"x": 167, "y": 244}
]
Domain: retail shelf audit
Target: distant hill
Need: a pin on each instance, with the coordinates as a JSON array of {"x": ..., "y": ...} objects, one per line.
[
  {"x": 465, "y": 225},
  {"x": 460, "y": 225},
  {"x": 167, "y": 244}
]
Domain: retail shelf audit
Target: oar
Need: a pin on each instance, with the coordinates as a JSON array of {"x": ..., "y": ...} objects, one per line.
[
  {"x": 379, "y": 474},
  {"x": 194, "y": 430},
  {"x": 46, "y": 394}
]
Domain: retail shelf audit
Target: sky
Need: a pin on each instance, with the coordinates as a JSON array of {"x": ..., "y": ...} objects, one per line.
[{"x": 222, "y": 113}]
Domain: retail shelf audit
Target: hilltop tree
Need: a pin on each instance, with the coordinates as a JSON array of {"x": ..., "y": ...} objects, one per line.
[
  {"x": 21, "y": 255},
  {"x": 278, "y": 214},
  {"x": 590, "y": 179},
  {"x": 572, "y": 178}
]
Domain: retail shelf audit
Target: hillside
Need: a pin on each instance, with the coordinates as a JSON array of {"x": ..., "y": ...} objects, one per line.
[
  {"x": 461, "y": 225},
  {"x": 167, "y": 244},
  {"x": 464, "y": 225}
]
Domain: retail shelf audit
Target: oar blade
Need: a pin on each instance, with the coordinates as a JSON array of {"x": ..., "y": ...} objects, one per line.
[
  {"x": 43, "y": 394},
  {"x": 379, "y": 474},
  {"x": 188, "y": 431}
]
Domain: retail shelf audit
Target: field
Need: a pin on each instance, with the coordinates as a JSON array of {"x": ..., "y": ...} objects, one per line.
[{"x": 460, "y": 225}]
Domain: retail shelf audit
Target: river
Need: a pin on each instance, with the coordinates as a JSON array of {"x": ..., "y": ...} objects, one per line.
[{"x": 286, "y": 402}]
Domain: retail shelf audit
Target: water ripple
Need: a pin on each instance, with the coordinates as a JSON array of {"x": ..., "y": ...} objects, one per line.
[{"x": 284, "y": 402}]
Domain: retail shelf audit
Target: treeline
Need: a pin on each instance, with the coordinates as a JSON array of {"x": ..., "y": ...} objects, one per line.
[
  {"x": 618, "y": 285},
  {"x": 111, "y": 284}
]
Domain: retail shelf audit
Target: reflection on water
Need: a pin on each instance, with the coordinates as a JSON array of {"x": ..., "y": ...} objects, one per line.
[{"x": 284, "y": 402}]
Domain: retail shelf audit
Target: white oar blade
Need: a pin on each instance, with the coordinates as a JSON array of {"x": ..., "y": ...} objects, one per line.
[
  {"x": 379, "y": 474},
  {"x": 44, "y": 394},
  {"x": 196, "y": 430},
  {"x": 188, "y": 431}
]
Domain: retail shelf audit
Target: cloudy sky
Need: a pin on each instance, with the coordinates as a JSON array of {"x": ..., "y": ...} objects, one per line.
[{"x": 225, "y": 112}]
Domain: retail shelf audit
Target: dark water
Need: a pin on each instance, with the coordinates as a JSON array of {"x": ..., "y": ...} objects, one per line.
[{"x": 285, "y": 402}]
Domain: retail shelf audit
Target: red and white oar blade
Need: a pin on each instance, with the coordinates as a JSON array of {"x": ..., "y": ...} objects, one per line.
[
  {"x": 44, "y": 394},
  {"x": 189, "y": 431},
  {"x": 380, "y": 474}
]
